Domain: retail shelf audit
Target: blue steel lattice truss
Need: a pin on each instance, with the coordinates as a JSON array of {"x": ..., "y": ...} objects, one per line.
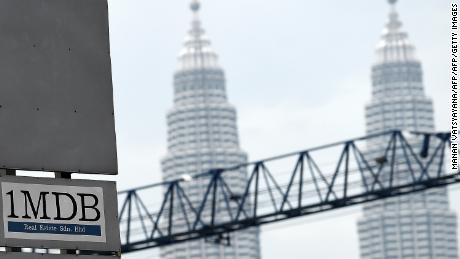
[{"x": 357, "y": 177}]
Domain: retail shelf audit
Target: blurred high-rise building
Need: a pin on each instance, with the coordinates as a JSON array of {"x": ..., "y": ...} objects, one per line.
[
  {"x": 418, "y": 225},
  {"x": 203, "y": 135}
]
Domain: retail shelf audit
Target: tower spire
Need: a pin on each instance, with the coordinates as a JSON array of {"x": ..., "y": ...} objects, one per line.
[
  {"x": 196, "y": 52},
  {"x": 393, "y": 5},
  {"x": 394, "y": 45},
  {"x": 195, "y": 6},
  {"x": 392, "y": 2}
]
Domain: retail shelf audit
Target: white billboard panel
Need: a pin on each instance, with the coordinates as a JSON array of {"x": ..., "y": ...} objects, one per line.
[
  {"x": 56, "y": 100},
  {"x": 59, "y": 213},
  {"x": 53, "y": 212}
]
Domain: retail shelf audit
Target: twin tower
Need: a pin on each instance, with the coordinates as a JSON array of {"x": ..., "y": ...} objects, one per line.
[{"x": 202, "y": 135}]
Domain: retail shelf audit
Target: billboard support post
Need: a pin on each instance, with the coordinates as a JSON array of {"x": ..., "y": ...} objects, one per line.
[{"x": 5, "y": 172}]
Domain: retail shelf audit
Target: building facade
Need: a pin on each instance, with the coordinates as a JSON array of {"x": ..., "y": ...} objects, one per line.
[
  {"x": 415, "y": 226},
  {"x": 203, "y": 135}
]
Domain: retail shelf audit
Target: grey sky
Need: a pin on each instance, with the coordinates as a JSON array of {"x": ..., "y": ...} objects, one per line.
[{"x": 298, "y": 72}]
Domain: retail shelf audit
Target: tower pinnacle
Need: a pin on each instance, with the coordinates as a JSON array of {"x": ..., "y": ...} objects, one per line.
[
  {"x": 195, "y": 6},
  {"x": 197, "y": 52},
  {"x": 392, "y": 2}
]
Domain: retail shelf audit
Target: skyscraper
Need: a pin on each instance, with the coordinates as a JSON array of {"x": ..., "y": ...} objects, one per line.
[
  {"x": 203, "y": 135},
  {"x": 414, "y": 226}
]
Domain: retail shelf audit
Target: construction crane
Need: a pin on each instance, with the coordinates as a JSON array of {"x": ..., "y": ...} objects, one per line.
[{"x": 306, "y": 182}]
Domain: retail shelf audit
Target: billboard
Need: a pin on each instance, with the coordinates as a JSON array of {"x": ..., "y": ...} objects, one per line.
[
  {"x": 59, "y": 213},
  {"x": 56, "y": 97}
]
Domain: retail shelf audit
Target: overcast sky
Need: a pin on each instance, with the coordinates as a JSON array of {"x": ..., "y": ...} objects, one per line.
[{"x": 298, "y": 72}]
